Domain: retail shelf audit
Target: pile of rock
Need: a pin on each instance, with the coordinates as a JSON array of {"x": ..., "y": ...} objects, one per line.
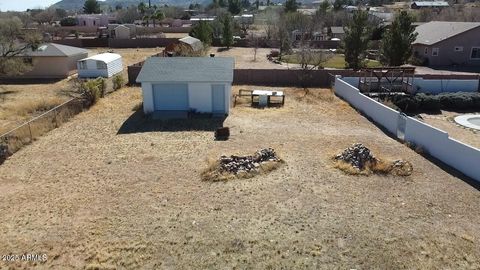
[
  {"x": 357, "y": 155},
  {"x": 240, "y": 164}
]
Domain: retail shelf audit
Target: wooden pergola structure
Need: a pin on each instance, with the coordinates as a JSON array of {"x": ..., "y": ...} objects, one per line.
[{"x": 386, "y": 80}]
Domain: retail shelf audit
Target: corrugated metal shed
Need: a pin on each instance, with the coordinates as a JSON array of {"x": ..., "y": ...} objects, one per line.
[{"x": 194, "y": 43}]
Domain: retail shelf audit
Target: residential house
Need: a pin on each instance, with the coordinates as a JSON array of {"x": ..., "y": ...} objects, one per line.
[
  {"x": 53, "y": 61},
  {"x": 244, "y": 19},
  {"x": 337, "y": 32},
  {"x": 448, "y": 43},
  {"x": 92, "y": 20},
  {"x": 186, "y": 84},
  {"x": 429, "y": 4}
]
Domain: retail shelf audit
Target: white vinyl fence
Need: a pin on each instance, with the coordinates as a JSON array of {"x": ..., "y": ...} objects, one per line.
[
  {"x": 434, "y": 86},
  {"x": 436, "y": 142}
]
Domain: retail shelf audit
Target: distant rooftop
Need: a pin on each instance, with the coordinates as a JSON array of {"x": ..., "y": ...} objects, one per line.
[
  {"x": 53, "y": 49},
  {"x": 431, "y": 3},
  {"x": 434, "y": 32},
  {"x": 337, "y": 30}
]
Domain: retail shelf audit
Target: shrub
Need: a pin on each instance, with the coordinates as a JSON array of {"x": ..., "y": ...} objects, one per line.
[
  {"x": 428, "y": 102},
  {"x": 92, "y": 90},
  {"x": 68, "y": 21},
  {"x": 118, "y": 82},
  {"x": 406, "y": 104},
  {"x": 4, "y": 153},
  {"x": 445, "y": 101}
]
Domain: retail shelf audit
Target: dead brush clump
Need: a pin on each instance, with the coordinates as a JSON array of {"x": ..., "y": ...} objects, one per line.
[
  {"x": 230, "y": 167},
  {"x": 359, "y": 160},
  {"x": 31, "y": 107},
  {"x": 315, "y": 96}
]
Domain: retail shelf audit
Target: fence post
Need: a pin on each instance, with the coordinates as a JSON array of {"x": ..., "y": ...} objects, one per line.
[
  {"x": 30, "y": 130},
  {"x": 55, "y": 117}
]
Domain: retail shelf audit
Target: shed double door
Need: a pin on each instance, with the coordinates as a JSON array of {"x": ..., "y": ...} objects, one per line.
[{"x": 218, "y": 98}]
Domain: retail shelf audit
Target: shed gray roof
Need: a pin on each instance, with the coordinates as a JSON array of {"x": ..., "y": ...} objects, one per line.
[
  {"x": 337, "y": 30},
  {"x": 431, "y": 3},
  {"x": 53, "y": 49},
  {"x": 434, "y": 32},
  {"x": 196, "y": 44},
  {"x": 187, "y": 69}
]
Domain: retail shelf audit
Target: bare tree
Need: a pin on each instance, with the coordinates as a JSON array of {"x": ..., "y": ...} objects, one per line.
[
  {"x": 310, "y": 59},
  {"x": 13, "y": 44},
  {"x": 254, "y": 42}
]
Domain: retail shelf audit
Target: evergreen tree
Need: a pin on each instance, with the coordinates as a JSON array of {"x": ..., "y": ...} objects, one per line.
[
  {"x": 203, "y": 31},
  {"x": 357, "y": 36},
  {"x": 291, "y": 6},
  {"x": 234, "y": 6},
  {"x": 396, "y": 46},
  {"x": 227, "y": 35},
  {"x": 91, "y": 7}
]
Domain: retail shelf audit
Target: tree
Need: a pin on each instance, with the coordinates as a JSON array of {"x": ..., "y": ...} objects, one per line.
[
  {"x": 338, "y": 4},
  {"x": 234, "y": 6},
  {"x": 60, "y": 13},
  {"x": 284, "y": 36},
  {"x": 227, "y": 35},
  {"x": 46, "y": 16},
  {"x": 142, "y": 8},
  {"x": 91, "y": 7},
  {"x": 324, "y": 7},
  {"x": 202, "y": 31},
  {"x": 13, "y": 43},
  {"x": 309, "y": 59},
  {"x": 68, "y": 21},
  {"x": 357, "y": 36},
  {"x": 158, "y": 15},
  {"x": 291, "y": 6},
  {"x": 396, "y": 46},
  {"x": 128, "y": 15}
]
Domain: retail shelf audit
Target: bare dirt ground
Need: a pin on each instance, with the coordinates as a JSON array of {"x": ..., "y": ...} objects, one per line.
[
  {"x": 244, "y": 57},
  {"x": 129, "y": 56},
  {"x": 445, "y": 121},
  {"x": 92, "y": 198},
  {"x": 176, "y": 35}
]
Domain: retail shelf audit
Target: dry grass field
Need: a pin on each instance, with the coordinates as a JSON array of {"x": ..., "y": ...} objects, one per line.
[
  {"x": 91, "y": 197},
  {"x": 21, "y": 102}
]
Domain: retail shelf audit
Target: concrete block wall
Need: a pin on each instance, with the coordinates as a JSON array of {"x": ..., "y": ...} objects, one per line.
[{"x": 436, "y": 142}]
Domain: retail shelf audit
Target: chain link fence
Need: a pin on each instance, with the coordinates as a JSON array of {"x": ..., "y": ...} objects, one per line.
[{"x": 26, "y": 133}]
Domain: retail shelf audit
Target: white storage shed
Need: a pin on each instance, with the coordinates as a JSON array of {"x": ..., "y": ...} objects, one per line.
[
  {"x": 101, "y": 65},
  {"x": 183, "y": 84}
]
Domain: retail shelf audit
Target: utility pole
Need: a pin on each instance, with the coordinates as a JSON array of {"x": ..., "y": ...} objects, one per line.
[{"x": 149, "y": 3}]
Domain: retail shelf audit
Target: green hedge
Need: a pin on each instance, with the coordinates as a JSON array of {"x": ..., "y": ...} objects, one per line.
[{"x": 444, "y": 101}]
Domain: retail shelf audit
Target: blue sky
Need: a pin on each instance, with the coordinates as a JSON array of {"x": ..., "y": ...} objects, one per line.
[{"x": 21, "y": 5}]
